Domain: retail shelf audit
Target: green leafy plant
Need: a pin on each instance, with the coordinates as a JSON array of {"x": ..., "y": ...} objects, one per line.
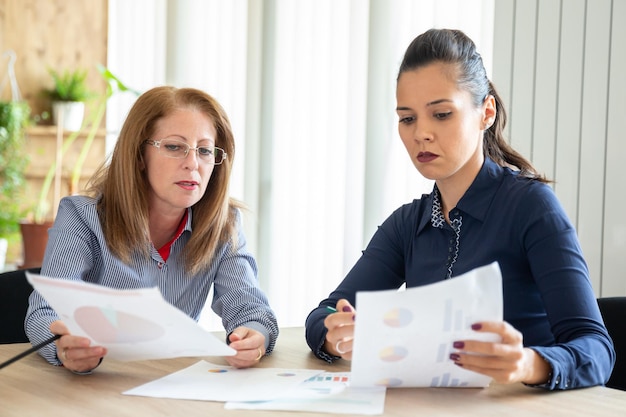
[
  {"x": 14, "y": 118},
  {"x": 91, "y": 124},
  {"x": 69, "y": 86}
]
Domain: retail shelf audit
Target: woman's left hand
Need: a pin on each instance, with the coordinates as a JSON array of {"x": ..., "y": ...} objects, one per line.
[
  {"x": 250, "y": 347},
  {"x": 507, "y": 361}
]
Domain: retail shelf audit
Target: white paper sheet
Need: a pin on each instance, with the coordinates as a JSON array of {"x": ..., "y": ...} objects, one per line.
[
  {"x": 404, "y": 338},
  {"x": 328, "y": 392},
  {"x": 131, "y": 324},
  {"x": 209, "y": 382}
]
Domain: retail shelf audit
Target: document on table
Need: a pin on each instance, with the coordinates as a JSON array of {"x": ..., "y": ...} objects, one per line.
[
  {"x": 210, "y": 382},
  {"x": 404, "y": 338},
  {"x": 132, "y": 324},
  {"x": 310, "y": 390},
  {"x": 328, "y": 392}
]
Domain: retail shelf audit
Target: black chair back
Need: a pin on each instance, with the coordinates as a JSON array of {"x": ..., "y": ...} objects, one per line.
[
  {"x": 613, "y": 311},
  {"x": 14, "y": 292}
]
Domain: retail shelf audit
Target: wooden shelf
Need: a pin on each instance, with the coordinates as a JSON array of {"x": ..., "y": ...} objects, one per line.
[{"x": 41, "y": 148}]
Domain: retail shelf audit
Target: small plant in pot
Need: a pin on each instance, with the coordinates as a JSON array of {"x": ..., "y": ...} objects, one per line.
[
  {"x": 68, "y": 96},
  {"x": 41, "y": 217}
]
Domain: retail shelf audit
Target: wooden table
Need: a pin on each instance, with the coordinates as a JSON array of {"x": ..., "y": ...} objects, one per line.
[{"x": 31, "y": 387}]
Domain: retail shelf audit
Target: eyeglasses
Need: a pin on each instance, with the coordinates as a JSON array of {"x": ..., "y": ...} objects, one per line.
[{"x": 174, "y": 148}]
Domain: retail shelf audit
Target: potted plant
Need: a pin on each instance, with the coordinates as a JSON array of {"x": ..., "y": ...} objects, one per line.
[
  {"x": 35, "y": 229},
  {"x": 39, "y": 219},
  {"x": 14, "y": 118},
  {"x": 91, "y": 126},
  {"x": 68, "y": 96}
]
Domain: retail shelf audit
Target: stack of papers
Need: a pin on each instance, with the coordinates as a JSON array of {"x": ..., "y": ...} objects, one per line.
[
  {"x": 267, "y": 389},
  {"x": 328, "y": 392}
]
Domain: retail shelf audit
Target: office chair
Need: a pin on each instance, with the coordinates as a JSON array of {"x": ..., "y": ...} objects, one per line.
[
  {"x": 613, "y": 311},
  {"x": 14, "y": 292}
]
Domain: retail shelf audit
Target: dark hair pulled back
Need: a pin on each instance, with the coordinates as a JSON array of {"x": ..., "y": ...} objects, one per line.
[{"x": 455, "y": 48}]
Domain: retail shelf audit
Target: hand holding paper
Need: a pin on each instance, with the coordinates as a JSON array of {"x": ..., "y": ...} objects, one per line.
[{"x": 405, "y": 338}]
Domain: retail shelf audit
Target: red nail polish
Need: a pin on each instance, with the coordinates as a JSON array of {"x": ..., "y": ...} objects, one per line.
[
  {"x": 458, "y": 345},
  {"x": 477, "y": 326},
  {"x": 455, "y": 356},
  {"x": 346, "y": 309}
]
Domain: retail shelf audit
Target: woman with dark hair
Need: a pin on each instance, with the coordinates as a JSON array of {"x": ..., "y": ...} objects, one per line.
[
  {"x": 159, "y": 215},
  {"x": 488, "y": 204}
]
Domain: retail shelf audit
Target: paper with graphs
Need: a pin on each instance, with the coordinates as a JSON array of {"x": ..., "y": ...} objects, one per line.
[
  {"x": 404, "y": 338},
  {"x": 327, "y": 392},
  {"x": 207, "y": 381},
  {"x": 132, "y": 324}
]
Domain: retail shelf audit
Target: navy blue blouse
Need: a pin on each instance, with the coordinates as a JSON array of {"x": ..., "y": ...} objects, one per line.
[{"x": 520, "y": 224}]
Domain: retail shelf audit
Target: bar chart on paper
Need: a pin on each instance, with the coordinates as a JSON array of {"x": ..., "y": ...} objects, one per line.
[
  {"x": 327, "y": 392},
  {"x": 448, "y": 381},
  {"x": 454, "y": 322}
]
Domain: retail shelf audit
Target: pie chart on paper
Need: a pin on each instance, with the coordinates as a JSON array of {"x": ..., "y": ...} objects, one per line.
[
  {"x": 398, "y": 317},
  {"x": 392, "y": 353},
  {"x": 107, "y": 325}
]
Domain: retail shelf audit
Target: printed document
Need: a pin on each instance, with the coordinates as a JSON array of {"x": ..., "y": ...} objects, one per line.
[
  {"x": 132, "y": 324},
  {"x": 404, "y": 338},
  {"x": 210, "y": 382},
  {"x": 328, "y": 392}
]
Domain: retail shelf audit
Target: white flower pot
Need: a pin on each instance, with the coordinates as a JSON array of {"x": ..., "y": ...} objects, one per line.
[{"x": 73, "y": 113}]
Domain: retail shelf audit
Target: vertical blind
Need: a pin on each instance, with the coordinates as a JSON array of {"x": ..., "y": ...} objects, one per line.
[{"x": 559, "y": 65}]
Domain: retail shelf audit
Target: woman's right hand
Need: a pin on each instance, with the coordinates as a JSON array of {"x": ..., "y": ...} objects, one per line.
[
  {"x": 340, "y": 335},
  {"x": 76, "y": 352}
]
